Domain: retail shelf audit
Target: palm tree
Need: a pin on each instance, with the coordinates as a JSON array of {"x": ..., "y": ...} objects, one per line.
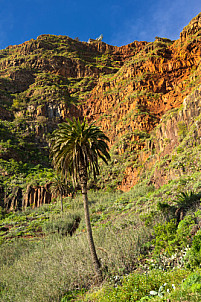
[
  {"x": 75, "y": 149},
  {"x": 58, "y": 186}
]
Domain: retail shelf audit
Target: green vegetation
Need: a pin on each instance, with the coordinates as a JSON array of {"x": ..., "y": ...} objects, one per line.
[
  {"x": 22, "y": 160},
  {"x": 148, "y": 240},
  {"x": 141, "y": 287},
  {"x": 123, "y": 233}
]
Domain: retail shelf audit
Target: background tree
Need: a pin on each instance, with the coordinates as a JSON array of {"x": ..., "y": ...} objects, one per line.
[
  {"x": 75, "y": 149},
  {"x": 59, "y": 187}
]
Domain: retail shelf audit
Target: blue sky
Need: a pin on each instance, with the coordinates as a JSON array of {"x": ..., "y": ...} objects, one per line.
[{"x": 121, "y": 21}]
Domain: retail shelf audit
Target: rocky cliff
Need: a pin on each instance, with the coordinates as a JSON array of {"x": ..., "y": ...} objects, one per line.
[
  {"x": 126, "y": 90},
  {"x": 173, "y": 148}
]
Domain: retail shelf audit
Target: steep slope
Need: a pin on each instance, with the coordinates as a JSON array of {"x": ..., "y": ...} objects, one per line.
[
  {"x": 126, "y": 90},
  {"x": 131, "y": 103}
]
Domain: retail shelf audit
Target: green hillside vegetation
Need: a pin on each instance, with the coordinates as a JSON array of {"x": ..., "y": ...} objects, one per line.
[
  {"x": 21, "y": 156},
  {"x": 148, "y": 238},
  {"x": 147, "y": 250},
  {"x": 136, "y": 234}
]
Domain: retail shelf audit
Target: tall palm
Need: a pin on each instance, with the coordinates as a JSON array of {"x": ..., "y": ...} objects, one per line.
[{"x": 75, "y": 148}]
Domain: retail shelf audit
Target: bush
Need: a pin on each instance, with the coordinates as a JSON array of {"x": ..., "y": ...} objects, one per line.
[
  {"x": 193, "y": 256},
  {"x": 63, "y": 226},
  {"x": 188, "y": 199},
  {"x": 171, "y": 238},
  {"x": 140, "y": 286},
  {"x": 192, "y": 281},
  {"x": 165, "y": 237},
  {"x": 189, "y": 290}
]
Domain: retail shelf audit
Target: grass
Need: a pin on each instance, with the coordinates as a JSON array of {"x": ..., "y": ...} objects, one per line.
[
  {"x": 55, "y": 265},
  {"x": 46, "y": 280}
]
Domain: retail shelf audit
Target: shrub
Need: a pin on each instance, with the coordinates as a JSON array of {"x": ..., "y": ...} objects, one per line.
[
  {"x": 187, "y": 199},
  {"x": 193, "y": 256},
  {"x": 184, "y": 201},
  {"x": 165, "y": 237},
  {"x": 167, "y": 210},
  {"x": 192, "y": 281},
  {"x": 140, "y": 286},
  {"x": 63, "y": 226},
  {"x": 182, "y": 130},
  {"x": 171, "y": 238}
]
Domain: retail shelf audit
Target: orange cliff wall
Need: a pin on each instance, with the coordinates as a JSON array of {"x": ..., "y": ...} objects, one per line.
[
  {"x": 134, "y": 85},
  {"x": 154, "y": 83}
]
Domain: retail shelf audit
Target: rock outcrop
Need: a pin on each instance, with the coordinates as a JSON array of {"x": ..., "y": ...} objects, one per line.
[
  {"x": 34, "y": 196},
  {"x": 170, "y": 132},
  {"x": 166, "y": 138},
  {"x": 192, "y": 29}
]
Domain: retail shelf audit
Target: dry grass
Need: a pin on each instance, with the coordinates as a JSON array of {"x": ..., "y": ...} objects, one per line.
[{"x": 51, "y": 267}]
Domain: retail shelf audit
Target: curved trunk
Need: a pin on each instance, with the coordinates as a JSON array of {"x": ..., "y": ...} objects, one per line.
[{"x": 96, "y": 263}]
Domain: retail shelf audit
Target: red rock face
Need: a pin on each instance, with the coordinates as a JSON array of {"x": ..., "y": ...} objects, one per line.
[
  {"x": 154, "y": 85},
  {"x": 144, "y": 89}
]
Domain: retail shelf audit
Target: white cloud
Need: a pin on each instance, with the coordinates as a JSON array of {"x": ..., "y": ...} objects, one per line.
[{"x": 164, "y": 18}]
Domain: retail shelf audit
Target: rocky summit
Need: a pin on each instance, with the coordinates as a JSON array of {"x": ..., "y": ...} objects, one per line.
[{"x": 145, "y": 96}]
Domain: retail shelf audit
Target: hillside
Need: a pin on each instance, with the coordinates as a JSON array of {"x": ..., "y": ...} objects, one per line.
[
  {"x": 126, "y": 90},
  {"x": 145, "y": 207}
]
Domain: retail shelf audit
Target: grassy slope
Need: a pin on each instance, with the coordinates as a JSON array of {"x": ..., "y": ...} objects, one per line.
[{"x": 123, "y": 229}]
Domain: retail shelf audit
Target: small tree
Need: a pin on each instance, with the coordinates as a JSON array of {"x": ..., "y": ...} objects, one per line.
[
  {"x": 75, "y": 148},
  {"x": 59, "y": 187}
]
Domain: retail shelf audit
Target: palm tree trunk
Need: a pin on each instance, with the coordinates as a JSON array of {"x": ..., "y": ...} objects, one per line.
[
  {"x": 94, "y": 257},
  {"x": 62, "y": 208}
]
